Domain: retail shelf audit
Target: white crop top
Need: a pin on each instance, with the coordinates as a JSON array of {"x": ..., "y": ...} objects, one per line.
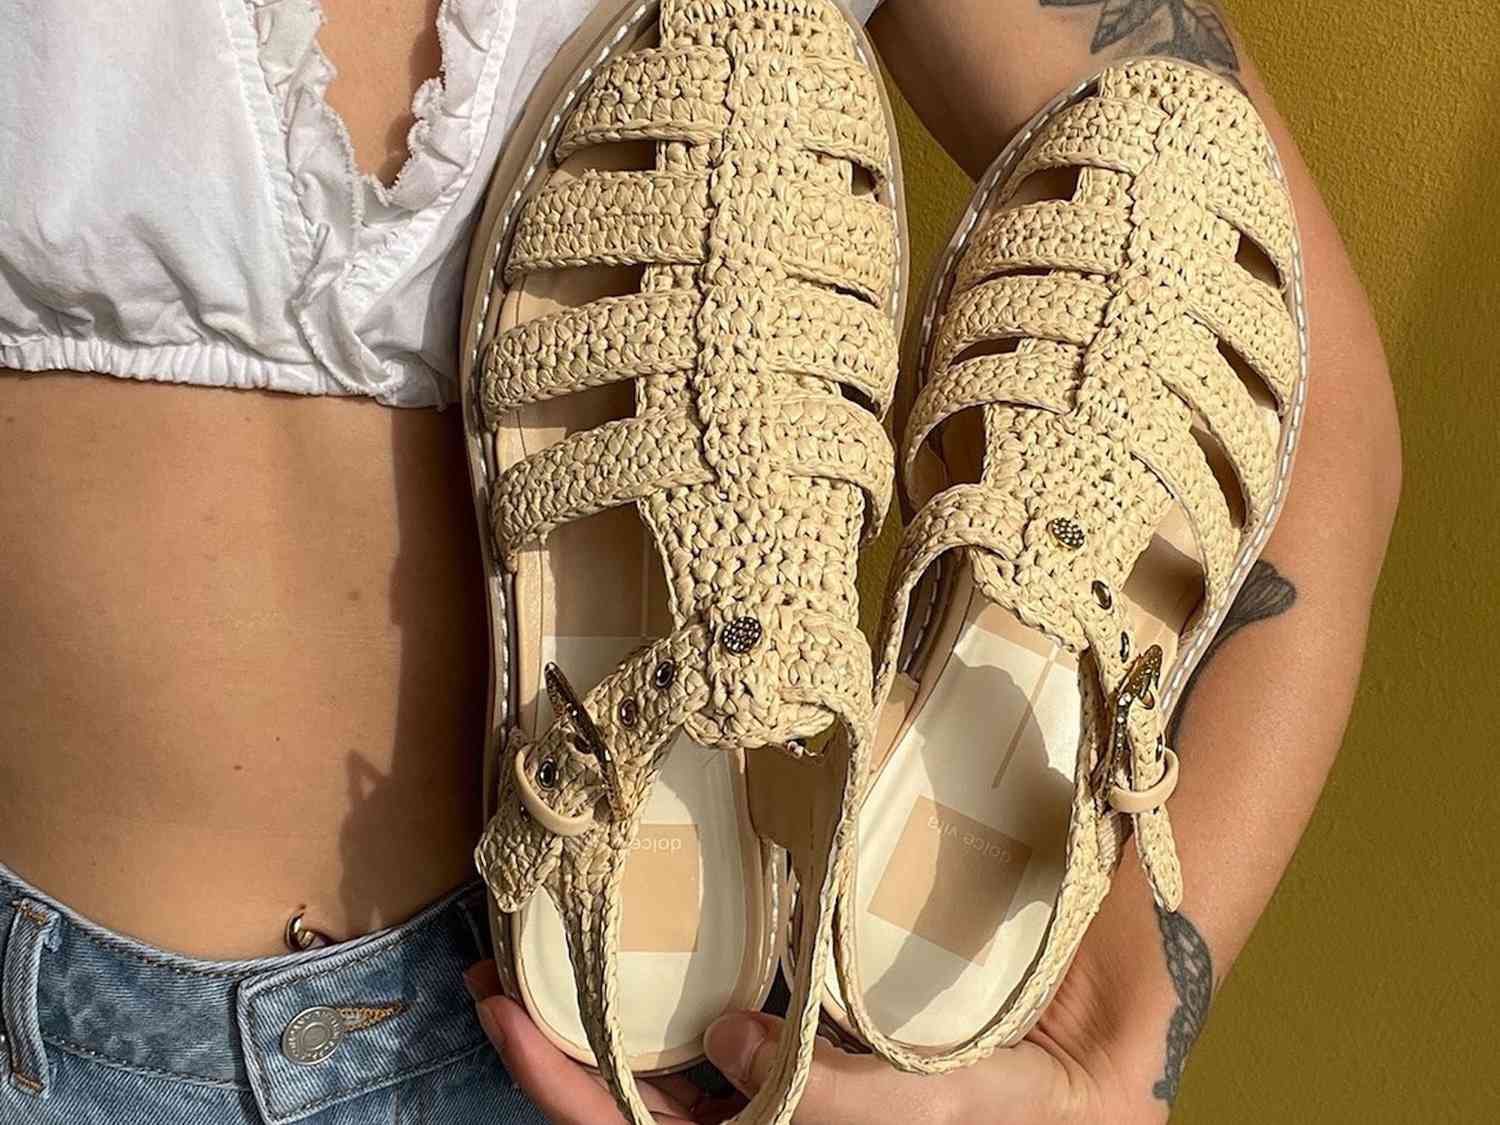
[{"x": 179, "y": 203}]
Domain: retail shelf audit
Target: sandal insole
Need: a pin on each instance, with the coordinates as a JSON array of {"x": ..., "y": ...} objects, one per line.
[
  {"x": 686, "y": 900},
  {"x": 963, "y": 834}
]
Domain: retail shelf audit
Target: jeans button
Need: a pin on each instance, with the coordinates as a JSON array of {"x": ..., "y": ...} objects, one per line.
[{"x": 313, "y": 1036}]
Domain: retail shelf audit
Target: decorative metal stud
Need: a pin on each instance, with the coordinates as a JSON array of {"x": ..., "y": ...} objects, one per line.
[
  {"x": 546, "y": 774},
  {"x": 1124, "y": 646},
  {"x": 1067, "y": 532},
  {"x": 741, "y": 635},
  {"x": 665, "y": 674},
  {"x": 1103, "y": 596},
  {"x": 628, "y": 712}
]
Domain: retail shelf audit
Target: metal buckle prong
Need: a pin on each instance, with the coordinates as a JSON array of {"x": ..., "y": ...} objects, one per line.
[
  {"x": 565, "y": 703},
  {"x": 1138, "y": 686}
]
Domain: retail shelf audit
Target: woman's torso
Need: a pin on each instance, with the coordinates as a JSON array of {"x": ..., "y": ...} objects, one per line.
[{"x": 242, "y": 654}]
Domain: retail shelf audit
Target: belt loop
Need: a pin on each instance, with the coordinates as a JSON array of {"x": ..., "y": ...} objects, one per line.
[{"x": 30, "y": 927}]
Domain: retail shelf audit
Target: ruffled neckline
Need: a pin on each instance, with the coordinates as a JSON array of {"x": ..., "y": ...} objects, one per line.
[
  {"x": 358, "y": 235},
  {"x": 440, "y": 142}
]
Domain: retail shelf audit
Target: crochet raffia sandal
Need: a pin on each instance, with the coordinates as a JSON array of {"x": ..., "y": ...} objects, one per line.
[
  {"x": 1114, "y": 358},
  {"x": 679, "y": 341}
]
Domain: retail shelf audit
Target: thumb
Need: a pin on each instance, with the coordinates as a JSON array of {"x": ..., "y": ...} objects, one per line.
[
  {"x": 742, "y": 1046},
  {"x": 842, "y": 1089}
]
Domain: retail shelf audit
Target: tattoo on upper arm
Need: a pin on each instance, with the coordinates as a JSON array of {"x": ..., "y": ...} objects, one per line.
[
  {"x": 1183, "y": 29},
  {"x": 1192, "y": 972},
  {"x": 1265, "y": 594}
]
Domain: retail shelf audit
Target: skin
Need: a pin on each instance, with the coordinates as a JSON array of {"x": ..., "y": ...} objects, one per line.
[
  {"x": 1257, "y": 734},
  {"x": 242, "y": 640}
]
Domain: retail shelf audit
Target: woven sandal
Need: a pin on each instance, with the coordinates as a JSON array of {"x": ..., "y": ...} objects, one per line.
[
  {"x": 1114, "y": 358},
  {"x": 679, "y": 342}
]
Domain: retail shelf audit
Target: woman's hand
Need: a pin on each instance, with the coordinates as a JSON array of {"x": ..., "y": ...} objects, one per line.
[
  {"x": 1041, "y": 1081},
  {"x": 566, "y": 1092},
  {"x": 1036, "y": 1082}
]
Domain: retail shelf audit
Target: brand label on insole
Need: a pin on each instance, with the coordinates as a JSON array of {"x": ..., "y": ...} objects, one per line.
[
  {"x": 661, "y": 891},
  {"x": 951, "y": 880}
]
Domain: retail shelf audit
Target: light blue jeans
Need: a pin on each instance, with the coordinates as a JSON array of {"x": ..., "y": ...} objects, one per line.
[{"x": 101, "y": 1030}]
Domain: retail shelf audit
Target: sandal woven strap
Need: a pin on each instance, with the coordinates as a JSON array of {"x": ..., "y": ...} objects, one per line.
[
  {"x": 1126, "y": 344},
  {"x": 615, "y": 339},
  {"x": 667, "y": 94},
  {"x": 620, "y": 462},
  {"x": 1096, "y": 334}
]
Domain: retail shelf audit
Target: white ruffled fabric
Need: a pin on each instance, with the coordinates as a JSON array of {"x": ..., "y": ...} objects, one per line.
[
  {"x": 182, "y": 205},
  {"x": 368, "y": 289}
]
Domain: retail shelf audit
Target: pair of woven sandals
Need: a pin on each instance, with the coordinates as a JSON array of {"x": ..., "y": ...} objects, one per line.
[{"x": 681, "y": 335}]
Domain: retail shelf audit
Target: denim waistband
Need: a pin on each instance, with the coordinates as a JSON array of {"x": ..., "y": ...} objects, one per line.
[{"x": 301, "y": 1031}]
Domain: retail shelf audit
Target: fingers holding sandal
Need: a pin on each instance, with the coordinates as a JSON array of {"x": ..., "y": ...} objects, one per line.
[
  {"x": 1024, "y": 1084},
  {"x": 565, "y": 1091}
]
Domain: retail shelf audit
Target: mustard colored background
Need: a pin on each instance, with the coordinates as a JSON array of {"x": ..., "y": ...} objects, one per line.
[{"x": 1370, "y": 991}]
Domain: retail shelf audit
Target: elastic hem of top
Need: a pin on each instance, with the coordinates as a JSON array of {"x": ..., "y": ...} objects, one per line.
[{"x": 209, "y": 363}]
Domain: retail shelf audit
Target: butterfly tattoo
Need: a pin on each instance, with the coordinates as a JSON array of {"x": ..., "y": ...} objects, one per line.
[{"x": 1193, "y": 32}]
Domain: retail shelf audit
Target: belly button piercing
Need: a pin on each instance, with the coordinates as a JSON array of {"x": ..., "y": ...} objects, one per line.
[{"x": 299, "y": 937}]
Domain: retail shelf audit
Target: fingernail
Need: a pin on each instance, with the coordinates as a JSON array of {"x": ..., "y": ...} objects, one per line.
[
  {"x": 491, "y": 1026},
  {"x": 472, "y": 987},
  {"x": 730, "y": 1044}
]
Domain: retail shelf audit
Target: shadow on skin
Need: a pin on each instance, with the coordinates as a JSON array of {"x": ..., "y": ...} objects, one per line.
[
  {"x": 425, "y": 62},
  {"x": 437, "y": 603}
]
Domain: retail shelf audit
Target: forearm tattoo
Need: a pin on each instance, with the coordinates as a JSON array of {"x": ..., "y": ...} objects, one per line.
[
  {"x": 1265, "y": 594},
  {"x": 1194, "y": 32},
  {"x": 1192, "y": 971}
]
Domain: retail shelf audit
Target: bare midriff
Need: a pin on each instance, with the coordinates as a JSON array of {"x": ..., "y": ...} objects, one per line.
[{"x": 242, "y": 634}]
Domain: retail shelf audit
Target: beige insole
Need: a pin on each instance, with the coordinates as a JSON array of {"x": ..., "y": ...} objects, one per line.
[
  {"x": 963, "y": 834},
  {"x": 699, "y": 891},
  {"x": 693, "y": 903}
]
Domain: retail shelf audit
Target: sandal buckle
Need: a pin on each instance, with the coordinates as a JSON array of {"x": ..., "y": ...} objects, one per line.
[
  {"x": 1138, "y": 687},
  {"x": 566, "y": 703}
]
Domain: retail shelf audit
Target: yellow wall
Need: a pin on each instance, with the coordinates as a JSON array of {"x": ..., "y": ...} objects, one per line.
[{"x": 1371, "y": 990}]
